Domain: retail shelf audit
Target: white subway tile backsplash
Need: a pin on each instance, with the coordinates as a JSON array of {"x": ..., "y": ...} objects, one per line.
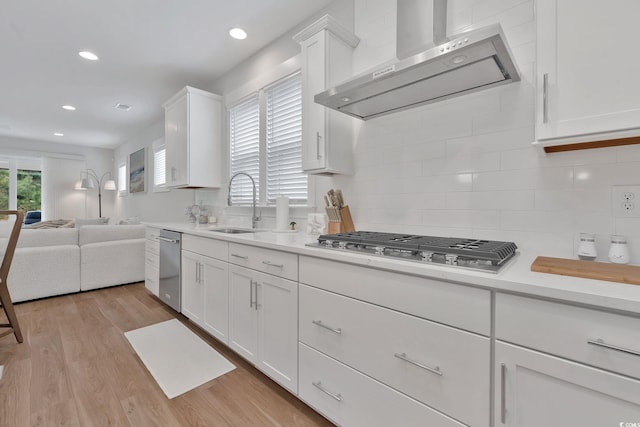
[
  {"x": 523, "y": 179},
  {"x": 491, "y": 142},
  {"x": 549, "y": 222},
  {"x": 491, "y": 200},
  {"x": 605, "y": 175}
]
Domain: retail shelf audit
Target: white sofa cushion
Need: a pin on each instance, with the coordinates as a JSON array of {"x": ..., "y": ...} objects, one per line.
[
  {"x": 82, "y": 222},
  {"x": 38, "y": 272},
  {"x": 107, "y": 233},
  {"x": 47, "y": 237},
  {"x": 112, "y": 263}
]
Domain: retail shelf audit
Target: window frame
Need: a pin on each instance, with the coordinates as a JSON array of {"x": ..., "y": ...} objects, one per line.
[
  {"x": 156, "y": 147},
  {"x": 122, "y": 181},
  {"x": 262, "y": 144}
]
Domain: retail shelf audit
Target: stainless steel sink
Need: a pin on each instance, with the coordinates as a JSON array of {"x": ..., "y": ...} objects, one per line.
[{"x": 232, "y": 230}]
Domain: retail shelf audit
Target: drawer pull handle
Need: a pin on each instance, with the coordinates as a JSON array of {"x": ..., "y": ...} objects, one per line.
[
  {"x": 403, "y": 356},
  {"x": 322, "y": 325},
  {"x": 545, "y": 98},
  {"x": 269, "y": 263},
  {"x": 240, "y": 256},
  {"x": 319, "y": 386},
  {"x": 601, "y": 343},
  {"x": 503, "y": 393}
]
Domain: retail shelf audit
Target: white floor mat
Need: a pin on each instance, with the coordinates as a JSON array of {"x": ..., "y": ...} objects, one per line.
[{"x": 176, "y": 357}]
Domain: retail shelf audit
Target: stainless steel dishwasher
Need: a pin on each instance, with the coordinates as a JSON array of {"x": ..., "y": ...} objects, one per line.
[{"x": 169, "y": 289}]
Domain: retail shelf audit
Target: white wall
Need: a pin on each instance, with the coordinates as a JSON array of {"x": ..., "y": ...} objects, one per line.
[
  {"x": 65, "y": 164},
  {"x": 466, "y": 167},
  {"x": 150, "y": 206}
]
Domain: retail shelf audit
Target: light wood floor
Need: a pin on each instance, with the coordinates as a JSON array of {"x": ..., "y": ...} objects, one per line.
[{"x": 76, "y": 368}]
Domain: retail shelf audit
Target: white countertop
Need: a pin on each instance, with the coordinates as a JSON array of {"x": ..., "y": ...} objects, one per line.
[{"x": 516, "y": 277}]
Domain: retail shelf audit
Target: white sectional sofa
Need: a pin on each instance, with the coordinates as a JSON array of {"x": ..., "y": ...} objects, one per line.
[{"x": 57, "y": 261}]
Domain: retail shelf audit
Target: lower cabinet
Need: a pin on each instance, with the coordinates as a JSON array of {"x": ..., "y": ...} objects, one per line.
[
  {"x": 349, "y": 398},
  {"x": 535, "y": 389},
  {"x": 152, "y": 260},
  {"x": 263, "y": 323},
  {"x": 205, "y": 293}
]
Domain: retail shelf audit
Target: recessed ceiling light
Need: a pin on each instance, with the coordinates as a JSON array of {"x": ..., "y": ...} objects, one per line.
[
  {"x": 58, "y": 134},
  {"x": 88, "y": 55},
  {"x": 123, "y": 107},
  {"x": 238, "y": 33},
  {"x": 69, "y": 107}
]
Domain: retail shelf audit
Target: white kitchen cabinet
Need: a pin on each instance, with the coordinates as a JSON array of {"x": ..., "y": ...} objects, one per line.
[
  {"x": 587, "y": 78},
  {"x": 326, "y": 61},
  {"x": 205, "y": 285},
  {"x": 192, "y": 287},
  {"x": 535, "y": 389},
  {"x": 152, "y": 260},
  {"x": 349, "y": 398},
  {"x": 419, "y": 358},
  {"x": 263, "y": 323},
  {"x": 193, "y": 139}
]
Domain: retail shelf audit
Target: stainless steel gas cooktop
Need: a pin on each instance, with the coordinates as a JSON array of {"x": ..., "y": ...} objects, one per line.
[{"x": 483, "y": 255}]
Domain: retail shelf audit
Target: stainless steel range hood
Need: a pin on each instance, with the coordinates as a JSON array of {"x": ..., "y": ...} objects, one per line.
[{"x": 435, "y": 69}]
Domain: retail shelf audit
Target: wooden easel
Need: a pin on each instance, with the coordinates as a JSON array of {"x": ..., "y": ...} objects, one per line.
[{"x": 5, "y": 298}]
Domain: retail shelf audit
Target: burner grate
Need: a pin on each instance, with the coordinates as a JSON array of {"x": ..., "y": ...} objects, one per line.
[{"x": 486, "y": 250}]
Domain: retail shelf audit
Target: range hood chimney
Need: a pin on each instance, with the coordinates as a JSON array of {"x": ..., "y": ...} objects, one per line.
[{"x": 430, "y": 66}]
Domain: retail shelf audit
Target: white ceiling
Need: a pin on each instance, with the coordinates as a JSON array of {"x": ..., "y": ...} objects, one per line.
[{"x": 148, "y": 50}]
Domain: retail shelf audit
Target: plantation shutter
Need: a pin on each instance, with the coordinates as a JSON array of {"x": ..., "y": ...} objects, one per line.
[
  {"x": 284, "y": 141},
  {"x": 159, "y": 166},
  {"x": 244, "y": 128}
]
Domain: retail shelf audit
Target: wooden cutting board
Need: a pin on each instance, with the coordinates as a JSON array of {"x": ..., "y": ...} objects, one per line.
[{"x": 588, "y": 269}]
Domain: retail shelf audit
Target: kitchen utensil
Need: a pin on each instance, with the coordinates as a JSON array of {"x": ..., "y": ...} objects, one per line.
[
  {"x": 340, "y": 198},
  {"x": 588, "y": 269}
]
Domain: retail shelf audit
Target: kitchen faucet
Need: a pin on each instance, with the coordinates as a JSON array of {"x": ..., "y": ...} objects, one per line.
[{"x": 255, "y": 218}]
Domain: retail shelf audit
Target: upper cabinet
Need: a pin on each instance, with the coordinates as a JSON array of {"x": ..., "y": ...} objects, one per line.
[
  {"x": 193, "y": 139},
  {"x": 327, "y": 48},
  {"x": 587, "y": 72}
]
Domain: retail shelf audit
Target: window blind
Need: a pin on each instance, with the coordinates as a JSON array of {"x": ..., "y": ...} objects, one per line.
[
  {"x": 159, "y": 167},
  {"x": 284, "y": 141},
  {"x": 244, "y": 133}
]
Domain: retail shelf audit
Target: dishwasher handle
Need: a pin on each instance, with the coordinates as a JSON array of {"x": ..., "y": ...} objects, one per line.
[{"x": 164, "y": 239}]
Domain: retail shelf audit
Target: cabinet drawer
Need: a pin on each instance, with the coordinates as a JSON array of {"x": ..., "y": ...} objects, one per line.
[
  {"x": 208, "y": 247},
  {"x": 278, "y": 263},
  {"x": 440, "y": 366},
  {"x": 567, "y": 331},
  {"x": 444, "y": 302},
  {"x": 152, "y": 259},
  {"x": 350, "y": 398},
  {"x": 151, "y": 233},
  {"x": 152, "y": 247}
]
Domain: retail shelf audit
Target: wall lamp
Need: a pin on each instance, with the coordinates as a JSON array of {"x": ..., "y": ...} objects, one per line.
[{"x": 92, "y": 180}]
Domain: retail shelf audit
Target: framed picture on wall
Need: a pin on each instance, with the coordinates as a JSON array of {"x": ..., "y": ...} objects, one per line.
[{"x": 136, "y": 171}]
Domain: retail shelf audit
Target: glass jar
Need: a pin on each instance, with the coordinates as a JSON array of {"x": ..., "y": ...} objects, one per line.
[
  {"x": 619, "y": 251},
  {"x": 587, "y": 247}
]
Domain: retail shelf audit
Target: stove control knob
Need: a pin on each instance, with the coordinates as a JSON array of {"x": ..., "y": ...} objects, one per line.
[
  {"x": 451, "y": 259},
  {"x": 328, "y": 243},
  {"x": 379, "y": 250},
  {"x": 342, "y": 245},
  {"x": 427, "y": 256}
]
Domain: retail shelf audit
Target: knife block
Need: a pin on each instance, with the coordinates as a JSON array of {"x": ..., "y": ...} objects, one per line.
[{"x": 344, "y": 225}]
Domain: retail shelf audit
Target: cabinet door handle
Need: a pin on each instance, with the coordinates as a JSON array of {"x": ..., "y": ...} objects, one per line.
[
  {"x": 201, "y": 272},
  {"x": 250, "y": 293},
  {"x": 600, "y": 343},
  {"x": 318, "y": 145},
  {"x": 503, "y": 393},
  {"x": 403, "y": 356},
  {"x": 322, "y": 325},
  {"x": 545, "y": 98},
  {"x": 197, "y": 272},
  {"x": 319, "y": 386},
  {"x": 256, "y": 287},
  {"x": 173, "y": 173},
  {"x": 240, "y": 256},
  {"x": 269, "y": 263}
]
